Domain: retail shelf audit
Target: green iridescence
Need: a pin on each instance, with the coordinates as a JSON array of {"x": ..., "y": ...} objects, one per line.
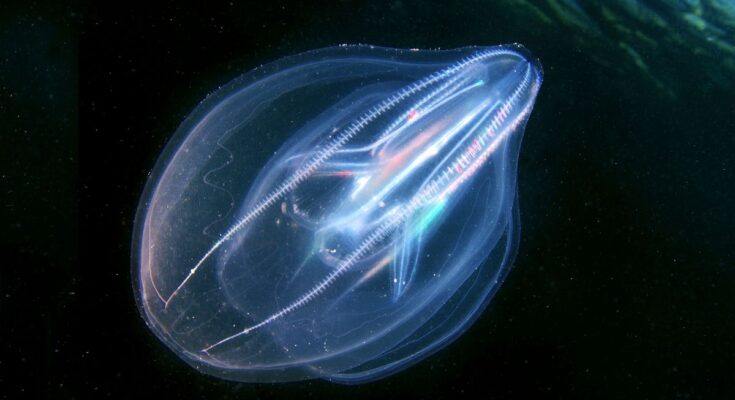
[{"x": 429, "y": 216}]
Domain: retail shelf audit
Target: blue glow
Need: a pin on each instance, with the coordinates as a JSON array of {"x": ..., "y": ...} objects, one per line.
[{"x": 340, "y": 214}]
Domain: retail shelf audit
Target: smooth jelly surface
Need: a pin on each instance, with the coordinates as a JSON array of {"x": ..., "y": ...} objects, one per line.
[{"x": 339, "y": 214}]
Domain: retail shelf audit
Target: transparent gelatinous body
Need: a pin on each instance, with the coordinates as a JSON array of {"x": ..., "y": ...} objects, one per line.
[{"x": 339, "y": 214}]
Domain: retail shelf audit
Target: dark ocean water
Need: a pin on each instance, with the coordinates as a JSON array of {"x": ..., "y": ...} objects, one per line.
[{"x": 624, "y": 285}]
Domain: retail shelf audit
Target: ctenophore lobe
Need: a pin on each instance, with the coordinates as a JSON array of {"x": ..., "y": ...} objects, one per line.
[{"x": 339, "y": 214}]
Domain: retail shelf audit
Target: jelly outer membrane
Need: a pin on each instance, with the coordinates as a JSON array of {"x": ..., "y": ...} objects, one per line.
[{"x": 338, "y": 214}]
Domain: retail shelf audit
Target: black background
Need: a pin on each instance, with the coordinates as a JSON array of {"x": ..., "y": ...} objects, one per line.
[{"x": 623, "y": 286}]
